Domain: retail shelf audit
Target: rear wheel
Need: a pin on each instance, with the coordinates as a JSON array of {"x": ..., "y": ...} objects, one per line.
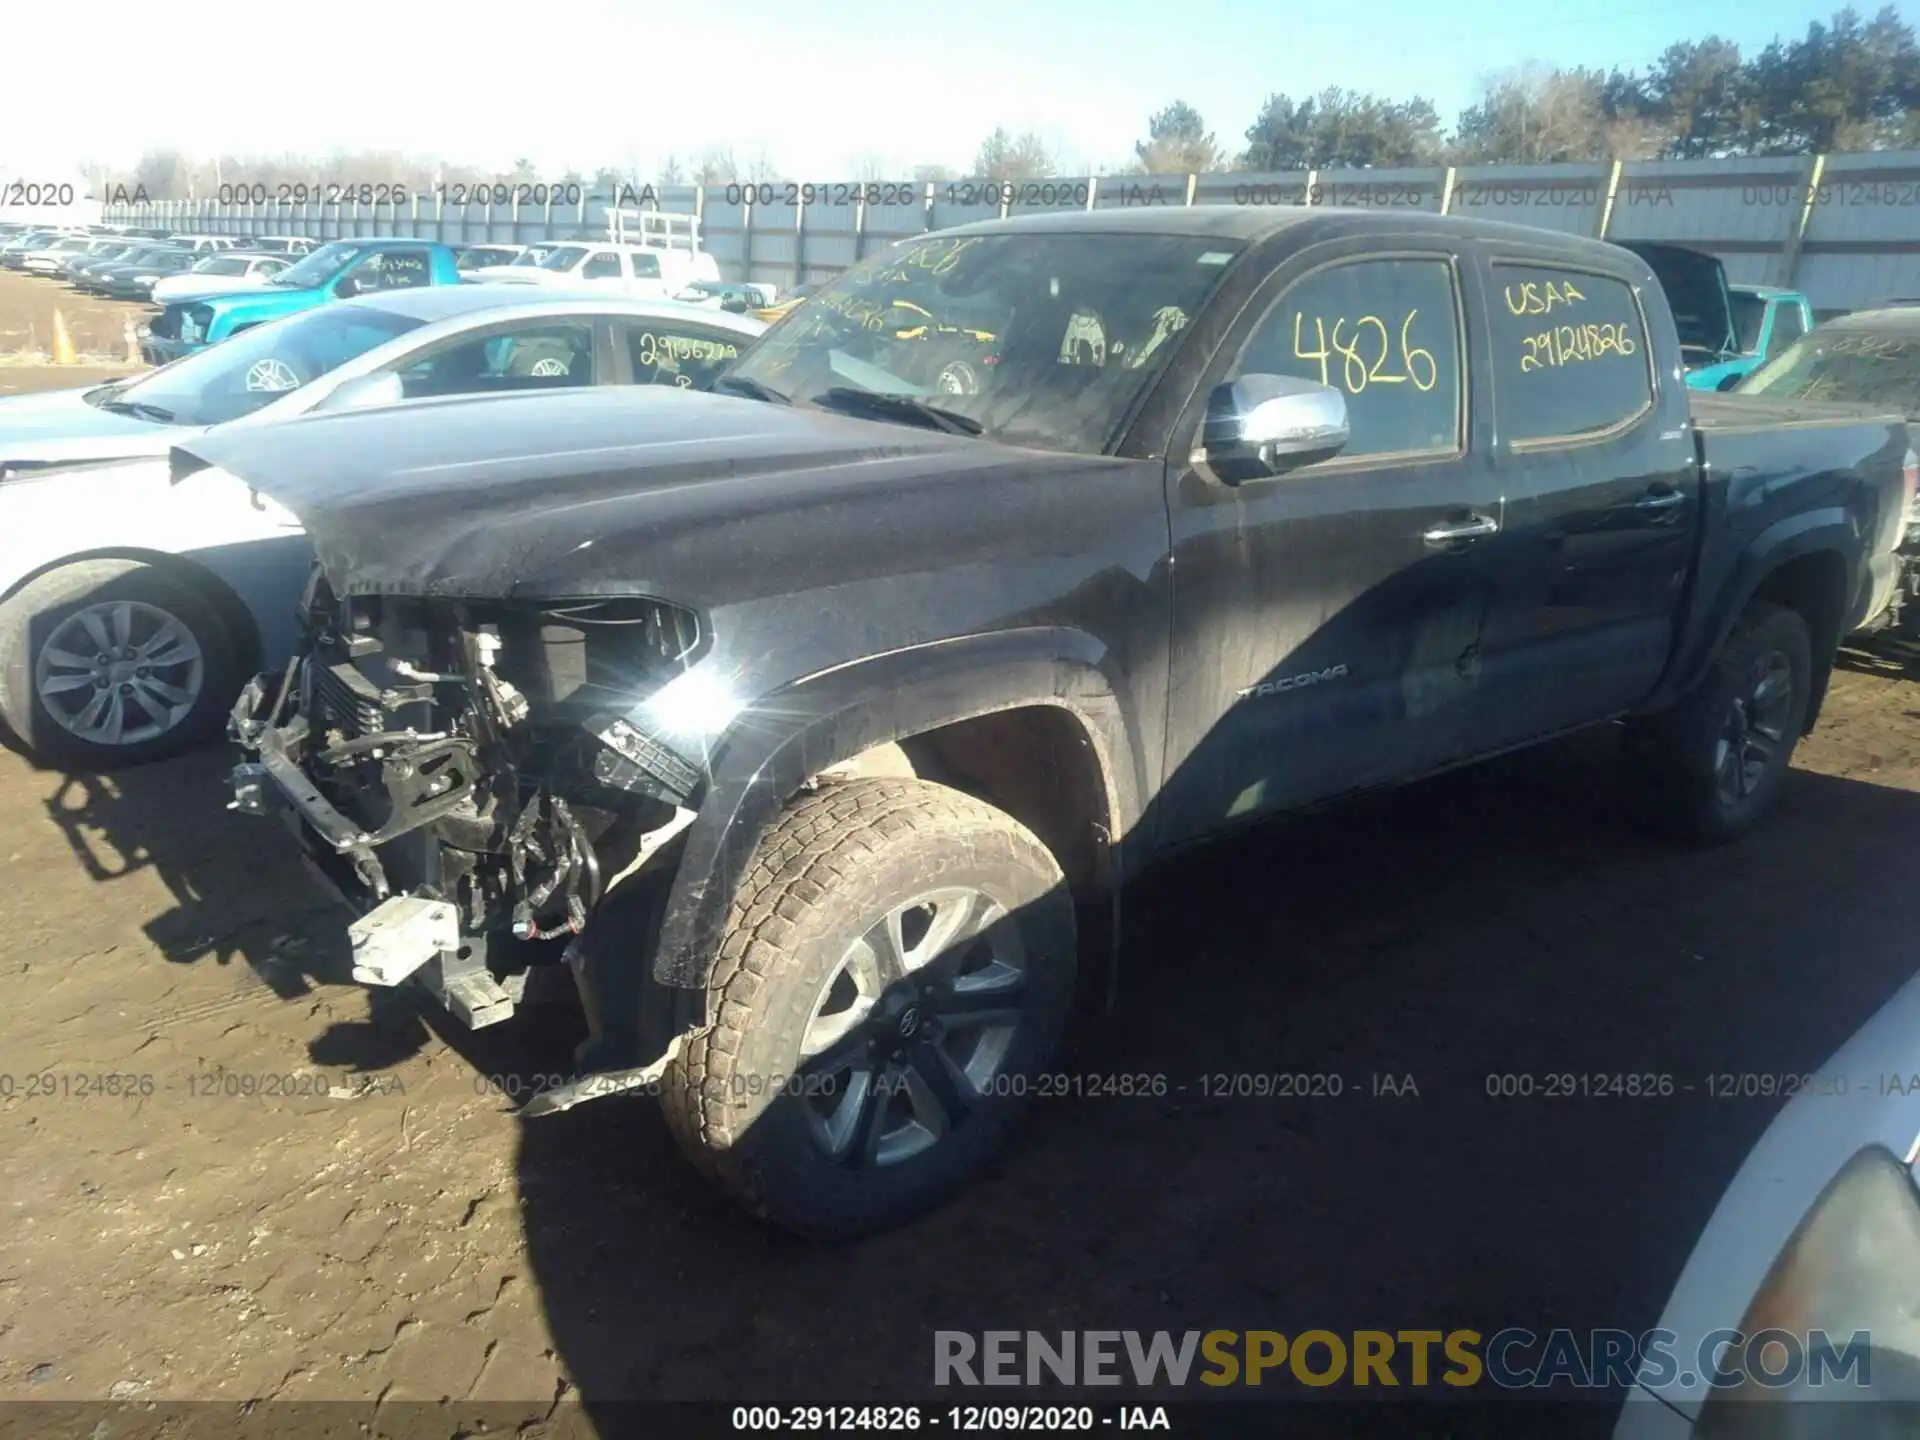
[
  {"x": 1714, "y": 765},
  {"x": 113, "y": 662},
  {"x": 899, "y": 965}
]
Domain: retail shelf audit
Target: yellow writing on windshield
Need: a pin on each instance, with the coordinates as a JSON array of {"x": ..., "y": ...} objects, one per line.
[
  {"x": 1365, "y": 352},
  {"x": 1571, "y": 344},
  {"x": 1537, "y": 298},
  {"x": 1874, "y": 345}
]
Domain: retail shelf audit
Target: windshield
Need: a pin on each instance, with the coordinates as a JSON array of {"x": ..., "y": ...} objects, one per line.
[
  {"x": 255, "y": 367},
  {"x": 564, "y": 258},
  {"x": 1866, "y": 366},
  {"x": 533, "y": 256},
  {"x": 221, "y": 265},
  {"x": 319, "y": 267},
  {"x": 1749, "y": 315},
  {"x": 1042, "y": 339},
  {"x": 475, "y": 259}
]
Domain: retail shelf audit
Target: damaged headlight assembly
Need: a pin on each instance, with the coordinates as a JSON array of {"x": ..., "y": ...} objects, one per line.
[{"x": 494, "y": 754}]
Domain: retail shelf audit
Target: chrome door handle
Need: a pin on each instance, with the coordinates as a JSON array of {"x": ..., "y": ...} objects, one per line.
[
  {"x": 1660, "y": 501},
  {"x": 1474, "y": 527}
]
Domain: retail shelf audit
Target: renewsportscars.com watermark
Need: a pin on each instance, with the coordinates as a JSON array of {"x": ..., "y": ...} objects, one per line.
[{"x": 1510, "y": 1359}]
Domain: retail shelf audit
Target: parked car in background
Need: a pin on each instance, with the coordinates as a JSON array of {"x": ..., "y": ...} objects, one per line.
[
  {"x": 336, "y": 271},
  {"x": 96, "y": 277},
  {"x": 214, "y": 596},
  {"x": 221, "y": 274},
  {"x": 722, "y": 296},
  {"x": 839, "y": 605},
  {"x": 204, "y": 243},
  {"x": 295, "y": 245},
  {"x": 1867, "y": 358},
  {"x": 648, "y": 270},
  {"x": 52, "y": 257},
  {"x": 479, "y": 257},
  {"x": 1766, "y": 320},
  {"x": 135, "y": 280},
  {"x": 76, "y": 269},
  {"x": 16, "y": 250}
]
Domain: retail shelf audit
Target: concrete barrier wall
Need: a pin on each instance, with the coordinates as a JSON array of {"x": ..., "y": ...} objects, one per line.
[{"x": 1843, "y": 228}]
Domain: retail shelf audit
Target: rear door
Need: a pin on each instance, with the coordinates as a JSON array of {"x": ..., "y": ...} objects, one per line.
[
  {"x": 1326, "y": 621},
  {"x": 1596, "y": 456}
]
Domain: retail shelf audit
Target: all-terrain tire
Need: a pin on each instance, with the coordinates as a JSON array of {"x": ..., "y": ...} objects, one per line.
[
  {"x": 837, "y": 862},
  {"x": 32, "y": 616},
  {"x": 1679, "y": 760}
]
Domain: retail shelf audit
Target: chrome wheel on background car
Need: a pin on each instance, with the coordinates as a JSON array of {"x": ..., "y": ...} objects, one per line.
[
  {"x": 115, "y": 662},
  {"x": 912, "y": 1028},
  {"x": 119, "y": 672}
]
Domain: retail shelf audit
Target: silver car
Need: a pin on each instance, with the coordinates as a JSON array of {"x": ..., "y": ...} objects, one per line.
[{"x": 129, "y": 659}]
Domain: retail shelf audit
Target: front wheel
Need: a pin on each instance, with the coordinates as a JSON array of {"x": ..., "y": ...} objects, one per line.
[
  {"x": 898, "y": 969},
  {"x": 1714, "y": 765}
]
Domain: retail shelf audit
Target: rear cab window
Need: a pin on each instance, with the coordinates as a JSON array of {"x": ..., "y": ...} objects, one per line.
[{"x": 1570, "y": 353}]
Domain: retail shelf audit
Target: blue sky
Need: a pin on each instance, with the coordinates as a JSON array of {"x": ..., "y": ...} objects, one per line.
[{"x": 819, "y": 89}]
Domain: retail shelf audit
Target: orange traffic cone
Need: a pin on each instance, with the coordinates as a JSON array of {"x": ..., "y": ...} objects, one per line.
[{"x": 62, "y": 342}]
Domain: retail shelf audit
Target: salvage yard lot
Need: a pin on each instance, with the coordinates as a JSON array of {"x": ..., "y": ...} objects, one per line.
[
  {"x": 314, "y": 1191},
  {"x": 96, "y": 326}
]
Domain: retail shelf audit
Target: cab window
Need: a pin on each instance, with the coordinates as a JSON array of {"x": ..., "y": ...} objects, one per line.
[
  {"x": 549, "y": 355},
  {"x": 1569, "y": 353},
  {"x": 604, "y": 265},
  {"x": 1386, "y": 333}
]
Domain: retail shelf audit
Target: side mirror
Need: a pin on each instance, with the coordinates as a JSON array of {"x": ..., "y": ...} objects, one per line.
[
  {"x": 1264, "y": 425},
  {"x": 362, "y": 392},
  {"x": 347, "y": 287}
]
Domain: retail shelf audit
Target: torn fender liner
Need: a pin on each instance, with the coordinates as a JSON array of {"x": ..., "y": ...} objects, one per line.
[{"x": 578, "y": 493}]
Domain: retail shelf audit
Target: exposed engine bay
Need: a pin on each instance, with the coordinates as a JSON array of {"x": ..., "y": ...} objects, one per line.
[{"x": 469, "y": 776}]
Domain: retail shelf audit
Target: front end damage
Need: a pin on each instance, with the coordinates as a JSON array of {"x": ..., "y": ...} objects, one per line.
[{"x": 471, "y": 777}]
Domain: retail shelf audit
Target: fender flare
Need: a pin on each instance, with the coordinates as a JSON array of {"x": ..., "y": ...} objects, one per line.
[
  {"x": 1829, "y": 530},
  {"x": 837, "y": 713}
]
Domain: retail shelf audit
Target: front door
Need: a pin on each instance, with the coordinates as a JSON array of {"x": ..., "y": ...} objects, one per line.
[{"x": 1327, "y": 621}]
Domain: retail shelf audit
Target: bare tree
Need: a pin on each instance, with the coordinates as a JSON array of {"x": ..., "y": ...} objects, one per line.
[
  {"x": 671, "y": 171},
  {"x": 1003, "y": 157},
  {"x": 762, "y": 168},
  {"x": 716, "y": 166}
]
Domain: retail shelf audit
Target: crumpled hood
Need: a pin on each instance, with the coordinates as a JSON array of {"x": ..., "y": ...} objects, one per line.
[
  {"x": 1696, "y": 287},
  {"x": 58, "y": 427},
  {"x": 599, "y": 492}
]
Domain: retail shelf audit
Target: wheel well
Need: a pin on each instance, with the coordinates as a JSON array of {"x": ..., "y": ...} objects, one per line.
[
  {"x": 1814, "y": 587},
  {"x": 1035, "y": 762},
  {"x": 233, "y": 610}
]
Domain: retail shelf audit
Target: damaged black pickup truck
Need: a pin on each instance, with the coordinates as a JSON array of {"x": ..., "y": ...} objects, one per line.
[{"x": 818, "y": 723}]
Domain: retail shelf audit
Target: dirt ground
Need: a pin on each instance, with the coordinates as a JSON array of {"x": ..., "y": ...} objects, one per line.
[
  {"x": 97, "y": 327},
  {"x": 308, "y": 1191}
]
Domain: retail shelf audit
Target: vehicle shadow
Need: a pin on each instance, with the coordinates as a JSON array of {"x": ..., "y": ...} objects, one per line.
[{"x": 1410, "y": 948}]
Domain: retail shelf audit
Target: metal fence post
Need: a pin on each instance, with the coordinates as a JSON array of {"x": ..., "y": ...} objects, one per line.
[
  {"x": 800, "y": 237},
  {"x": 1193, "y": 185},
  {"x": 1446, "y": 190},
  {"x": 1606, "y": 208},
  {"x": 1790, "y": 255}
]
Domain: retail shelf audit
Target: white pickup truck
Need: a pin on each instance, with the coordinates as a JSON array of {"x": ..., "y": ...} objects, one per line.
[{"x": 648, "y": 271}]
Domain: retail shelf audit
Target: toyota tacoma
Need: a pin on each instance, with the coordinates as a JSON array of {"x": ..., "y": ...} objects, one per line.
[{"x": 818, "y": 725}]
